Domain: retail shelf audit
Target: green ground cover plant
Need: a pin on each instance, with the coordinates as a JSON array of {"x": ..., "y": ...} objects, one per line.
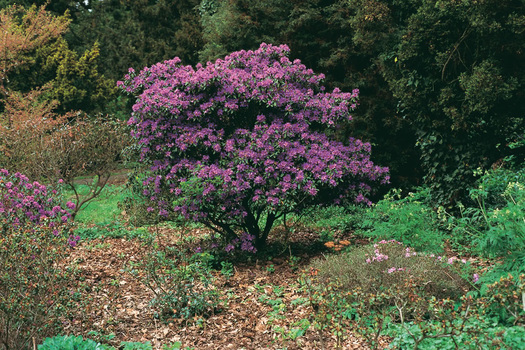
[
  {"x": 79, "y": 343},
  {"x": 183, "y": 285},
  {"x": 420, "y": 300}
]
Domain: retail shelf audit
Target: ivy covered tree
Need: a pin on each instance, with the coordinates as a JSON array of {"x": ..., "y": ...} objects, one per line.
[
  {"x": 457, "y": 72},
  {"x": 238, "y": 143}
]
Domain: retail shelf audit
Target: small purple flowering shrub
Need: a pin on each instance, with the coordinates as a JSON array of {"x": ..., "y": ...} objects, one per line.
[
  {"x": 385, "y": 264},
  {"x": 240, "y": 142},
  {"x": 26, "y": 204},
  {"x": 371, "y": 286},
  {"x": 32, "y": 284}
]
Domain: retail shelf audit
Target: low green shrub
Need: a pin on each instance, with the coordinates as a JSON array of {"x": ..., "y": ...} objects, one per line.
[
  {"x": 111, "y": 229},
  {"x": 380, "y": 266},
  {"x": 333, "y": 219},
  {"x": 66, "y": 342},
  {"x": 408, "y": 220},
  {"x": 183, "y": 286},
  {"x": 368, "y": 287},
  {"x": 505, "y": 299},
  {"x": 420, "y": 301},
  {"x": 136, "y": 346},
  {"x": 477, "y": 333}
]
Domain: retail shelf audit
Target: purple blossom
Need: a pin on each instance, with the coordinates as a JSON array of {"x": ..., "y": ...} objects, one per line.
[
  {"x": 246, "y": 145},
  {"x": 24, "y": 203}
]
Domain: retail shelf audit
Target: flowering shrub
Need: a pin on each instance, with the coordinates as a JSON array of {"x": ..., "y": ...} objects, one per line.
[
  {"x": 388, "y": 263},
  {"x": 25, "y": 203},
  {"x": 33, "y": 287},
  {"x": 417, "y": 299},
  {"x": 245, "y": 140}
]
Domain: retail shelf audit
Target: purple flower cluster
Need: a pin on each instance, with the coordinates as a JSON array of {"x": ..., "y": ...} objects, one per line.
[
  {"x": 29, "y": 203},
  {"x": 246, "y": 134},
  {"x": 245, "y": 243},
  {"x": 379, "y": 256}
]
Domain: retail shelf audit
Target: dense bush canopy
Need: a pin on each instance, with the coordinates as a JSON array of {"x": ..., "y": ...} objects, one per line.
[{"x": 246, "y": 138}]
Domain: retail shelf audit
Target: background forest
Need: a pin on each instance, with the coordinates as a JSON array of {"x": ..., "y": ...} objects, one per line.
[
  {"x": 440, "y": 81},
  {"x": 436, "y": 87}
]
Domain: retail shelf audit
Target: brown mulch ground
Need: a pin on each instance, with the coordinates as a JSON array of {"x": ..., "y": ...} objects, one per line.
[{"x": 117, "y": 303}]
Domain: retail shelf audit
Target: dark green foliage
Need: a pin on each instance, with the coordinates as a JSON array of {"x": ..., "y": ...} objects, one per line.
[
  {"x": 457, "y": 70},
  {"x": 229, "y": 26},
  {"x": 495, "y": 224},
  {"x": 138, "y": 33}
]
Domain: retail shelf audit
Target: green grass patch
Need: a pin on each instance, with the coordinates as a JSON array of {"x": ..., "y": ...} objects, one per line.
[{"x": 101, "y": 210}]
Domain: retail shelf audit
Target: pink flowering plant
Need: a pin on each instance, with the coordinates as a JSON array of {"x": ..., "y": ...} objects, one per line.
[
  {"x": 26, "y": 203},
  {"x": 33, "y": 282},
  {"x": 369, "y": 288},
  {"x": 238, "y": 143}
]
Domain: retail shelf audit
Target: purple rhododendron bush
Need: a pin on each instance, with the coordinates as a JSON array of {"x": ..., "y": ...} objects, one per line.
[
  {"x": 24, "y": 203},
  {"x": 34, "y": 240},
  {"x": 240, "y": 142}
]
